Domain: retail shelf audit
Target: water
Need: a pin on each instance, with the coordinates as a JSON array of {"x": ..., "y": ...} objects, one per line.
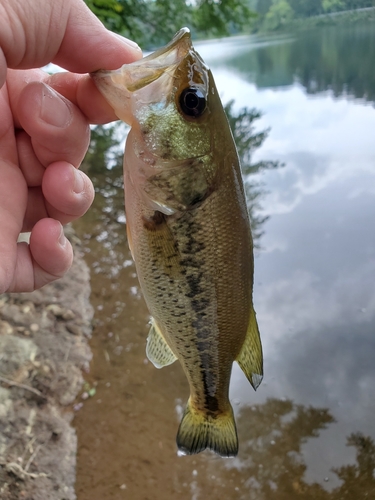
[{"x": 309, "y": 430}]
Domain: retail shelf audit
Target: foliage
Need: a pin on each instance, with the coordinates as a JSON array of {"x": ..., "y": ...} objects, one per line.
[
  {"x": 109, "y": 11},
  {"x": 276, "y": 14},
  {"x": 333, "y": 5},
  {"x": 221, "y": 17},
  {"x": 122, "y": 16},
  {"x": 306, "y": 8},
  {"x": 154, "y": 22}
]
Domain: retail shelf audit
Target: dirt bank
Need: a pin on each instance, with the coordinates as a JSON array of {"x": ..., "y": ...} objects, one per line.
[{"x": 43, "y": 352}]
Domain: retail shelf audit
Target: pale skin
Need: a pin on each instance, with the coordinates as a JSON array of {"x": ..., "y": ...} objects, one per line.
[{"x": 44, "y": 130}]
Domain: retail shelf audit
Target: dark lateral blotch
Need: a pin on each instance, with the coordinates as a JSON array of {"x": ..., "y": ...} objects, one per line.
[{"x": 152, "y": 223}]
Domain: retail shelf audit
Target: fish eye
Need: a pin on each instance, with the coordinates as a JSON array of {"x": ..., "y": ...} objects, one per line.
[{"x": 192, "y": 102}]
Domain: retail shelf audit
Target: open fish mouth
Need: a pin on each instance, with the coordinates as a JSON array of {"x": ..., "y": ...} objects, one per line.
[{"x": 161, "y": 65}]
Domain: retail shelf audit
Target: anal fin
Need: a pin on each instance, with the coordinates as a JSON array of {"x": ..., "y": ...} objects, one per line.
[
  {"x": 250, "y": 357},
  {"x": 157, "y": 349}
]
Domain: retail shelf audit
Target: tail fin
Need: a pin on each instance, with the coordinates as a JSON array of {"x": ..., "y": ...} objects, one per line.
[{"x": 199, "y": 431}]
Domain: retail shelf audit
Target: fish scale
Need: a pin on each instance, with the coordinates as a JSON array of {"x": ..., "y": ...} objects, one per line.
[{"x": 189, "y": 233}]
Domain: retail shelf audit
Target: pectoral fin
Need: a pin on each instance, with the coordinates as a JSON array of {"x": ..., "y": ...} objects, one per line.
[
  {"x": 157, "y": 349},
  {"x": 130, "y": 241},
  {"x": 250, "y": 357}
]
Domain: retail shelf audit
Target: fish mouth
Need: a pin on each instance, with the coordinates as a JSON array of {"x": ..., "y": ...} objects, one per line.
[
  {"x": 117, "y": 86},
  {"x": 176, "y": 48}
]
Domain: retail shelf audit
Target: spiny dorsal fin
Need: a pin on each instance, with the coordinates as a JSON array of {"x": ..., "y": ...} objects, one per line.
[
  {"x": 250, "y": 357},
  {"x": 157, "y": 349}
]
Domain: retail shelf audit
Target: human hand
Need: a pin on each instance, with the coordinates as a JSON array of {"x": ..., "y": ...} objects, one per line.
[{"x": 44, "y": 130}]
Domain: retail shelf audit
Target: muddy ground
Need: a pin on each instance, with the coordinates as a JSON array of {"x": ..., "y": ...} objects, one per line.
[{"x": 43, "y": 355}]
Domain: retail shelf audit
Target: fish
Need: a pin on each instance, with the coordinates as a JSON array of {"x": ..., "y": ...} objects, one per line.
[{"x": 189, "y": 233}]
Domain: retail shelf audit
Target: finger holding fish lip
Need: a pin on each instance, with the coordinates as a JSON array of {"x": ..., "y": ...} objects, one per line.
[{"x": 82, "y": 91}]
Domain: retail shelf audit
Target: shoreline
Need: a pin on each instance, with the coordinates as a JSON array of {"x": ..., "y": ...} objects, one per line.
[{"x": 44, "y": 352}]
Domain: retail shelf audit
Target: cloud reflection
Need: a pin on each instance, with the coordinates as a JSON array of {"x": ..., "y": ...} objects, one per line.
[{"x": 322, "y": 140}]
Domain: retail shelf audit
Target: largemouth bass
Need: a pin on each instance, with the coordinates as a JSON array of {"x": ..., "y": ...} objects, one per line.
[{"x": 189, "y": 233}]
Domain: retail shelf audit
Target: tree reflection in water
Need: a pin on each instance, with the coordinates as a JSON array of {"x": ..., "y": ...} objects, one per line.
[
  {"x": 247, "y": 142},
  {"x": 337, "y": 59},
  {"x": 359, "y": 479},
  {"x": 270, "y": 463}
]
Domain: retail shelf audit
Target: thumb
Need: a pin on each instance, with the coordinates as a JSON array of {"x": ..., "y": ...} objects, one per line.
[
  {"x": 88, "y": 46},
  {"x": 66, "y": 32}
]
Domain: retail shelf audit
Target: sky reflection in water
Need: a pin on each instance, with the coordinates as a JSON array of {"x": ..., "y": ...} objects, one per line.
[{"x": 315, "y": 276}]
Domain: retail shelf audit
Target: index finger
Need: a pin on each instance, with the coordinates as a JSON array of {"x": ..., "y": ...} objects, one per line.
[
  {"x": 78, "y": 89},
  {"x": 81, "y": 91}
]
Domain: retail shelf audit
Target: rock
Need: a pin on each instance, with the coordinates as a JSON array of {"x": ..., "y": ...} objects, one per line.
[
  {"x": 56, "y": 310},
  {"x": 68, "y": 315},
  {"x": 44, "y": 374},
  {"x": 74, "y": 329},
  {"x": 15, "y": 352},
  {"x": 61, "y": 312},
  {"x": 5, "y": 328}
]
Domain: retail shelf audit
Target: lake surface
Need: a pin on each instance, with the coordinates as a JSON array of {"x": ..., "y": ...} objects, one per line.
[{"x": 309, "y": 430}]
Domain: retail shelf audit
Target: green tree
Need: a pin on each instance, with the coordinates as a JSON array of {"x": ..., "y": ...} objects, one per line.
[
  {"x": 162, "y": 20},
  {"x": 219, "y": 17},
  {"x": 154, "y": 22},
  {"x": 358, "y": 4},
  {"x": 333, "y": 5},
  {"x": 278, "y": 16},
  {"x": 306, "y": 8},
  {"x": 263, "y": 6}
]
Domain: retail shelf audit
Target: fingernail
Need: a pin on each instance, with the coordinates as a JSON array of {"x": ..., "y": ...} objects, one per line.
[
  {"x": 79, "y": 182},
  {"x": 127, "y": 42},
  {"x": 62, "y": 238},
  {"x": 54, "y": 110}
]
